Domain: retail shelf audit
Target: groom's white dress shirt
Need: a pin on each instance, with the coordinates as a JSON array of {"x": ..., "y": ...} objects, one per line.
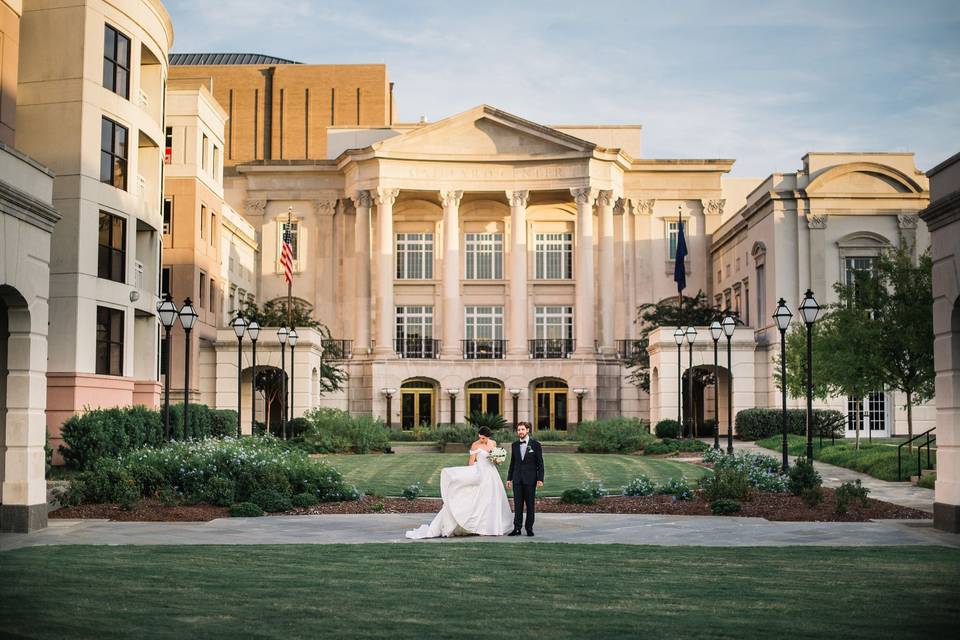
[{"x": 523, "y": 449}]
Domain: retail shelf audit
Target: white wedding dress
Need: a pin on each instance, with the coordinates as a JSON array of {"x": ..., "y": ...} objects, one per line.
[{"x": 474, "y": 502}]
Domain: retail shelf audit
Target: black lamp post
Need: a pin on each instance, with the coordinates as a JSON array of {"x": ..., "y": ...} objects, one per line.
[
  {"x": 678, "y": 338},
  {"x": 691, "y": 337},
  {"x": 453, "y": 405},
  {"x": 253, "y": 330},
  {"x": 782, "y": 317},
  {"x": 716, "y": 330},
  {"x": 809, "y": 310},
  {"x": 188, "y": 317},
  {"x": 388, "y": 394},
  {"x": 516, "y": 406},
  {"x": 239, "y": 328},
  {"x": 282, "y": 333},
  {"x": 579, "y": 393},
  {"x": 292, "y": 338},
  {"x": 729, "y": 326},
  {"x": 167, "y": 311}
]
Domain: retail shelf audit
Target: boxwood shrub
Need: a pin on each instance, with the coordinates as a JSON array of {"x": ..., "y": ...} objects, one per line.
[
  {"x": 614, "y": 435},
  {"x": 336, "y": 431},
  {"x": 667, "y": 429},
  {"x": 756, "y": 424},
  {"x": 245, "y": 510}
]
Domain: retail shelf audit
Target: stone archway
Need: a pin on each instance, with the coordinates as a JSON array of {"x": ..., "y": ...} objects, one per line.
[{"x": 709, "y": 390}]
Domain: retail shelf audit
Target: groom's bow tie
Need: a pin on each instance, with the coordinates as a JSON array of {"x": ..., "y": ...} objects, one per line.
[{"x": 523, "y": 442}]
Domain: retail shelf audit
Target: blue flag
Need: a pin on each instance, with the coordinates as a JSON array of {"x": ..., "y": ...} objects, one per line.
[{"x": 680, "y": 267}]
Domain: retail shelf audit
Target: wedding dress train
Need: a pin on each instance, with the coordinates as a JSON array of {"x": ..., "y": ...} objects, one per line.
[{"x": 474, "y": 502}]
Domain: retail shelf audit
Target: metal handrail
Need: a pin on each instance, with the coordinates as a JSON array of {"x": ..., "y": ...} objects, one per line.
[
  {"x": 483, "y": 348},
  {"x": 900, "y": 447}
]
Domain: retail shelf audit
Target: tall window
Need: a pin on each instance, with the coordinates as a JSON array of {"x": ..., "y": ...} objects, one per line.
[
  {"x": 203, "y": 222},
  {"x": 168, "y": 146},
  {"x": 167, "y": 215},
  {"x": 216, "y": 163},
  {"x": 414, "y": 256},
  {"x": 213, "y": 294},
  {"x": 554, "y": 323},
  {"x": 165, "y": 281},
  {"x": 109, "y": 341},
  {"x": 111, "y": 257},
  {"x": 113, "y": 153},
  {"x": 762, "y": 295},
  {"x": 554, "y": 256},
  {"x": 484, "y": 253},
  {"x": 673, "y": 234},
  {"x": 203, "y": 289},
  {"x": 414, "y": 331},
  {"x": 294, "y": 230},
  {"x": 858, "y": 270},
  {"x": 483, "y": 330},
  {"x": 116, "y": 61},
  {"x": 213, "y": 229},
  {"x": 203, "y": 152},
  {"x": 872, "y": 409},
  {"x": 746, "y": 303},
  {"x": 736, "y": 302}
]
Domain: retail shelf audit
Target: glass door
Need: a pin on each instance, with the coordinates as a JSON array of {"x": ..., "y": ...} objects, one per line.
[
  {"x": 550, "y": 407},
  {"x": 417, "y": 404}
]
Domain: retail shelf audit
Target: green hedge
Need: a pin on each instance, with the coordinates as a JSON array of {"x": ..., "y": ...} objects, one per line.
[
  {"x": 336, "y": 431},
  {"x": 756, "y": 424},
  {"x": 261, "y": 470},
  {"x": 614, "y": 435},
  {"x": 106, "y": 433}
]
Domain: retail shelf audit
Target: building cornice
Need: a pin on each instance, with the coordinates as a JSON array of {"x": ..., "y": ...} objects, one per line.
[
  {"x": 23, "y": 206},
  {"x": 944, "y": 211}
]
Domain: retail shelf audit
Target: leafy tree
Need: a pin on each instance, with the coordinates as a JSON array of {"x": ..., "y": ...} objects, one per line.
[{"x": 879, "y": 335}]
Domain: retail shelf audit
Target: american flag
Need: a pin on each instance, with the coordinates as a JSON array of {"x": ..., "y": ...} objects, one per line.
[{"x": 286, "y": 257}]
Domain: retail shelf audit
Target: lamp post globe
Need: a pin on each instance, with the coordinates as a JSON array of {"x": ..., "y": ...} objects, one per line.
[
  {"x": 253, "y": 330},
  {"x": 809, "y": 310},
  {"x": 188, "y": 317},
  {"x": 782, "y": 316},
  {"x": 167, "y": 312},
  {"x": 729, "y": 326},
  {"x": 716, "y": 330}
]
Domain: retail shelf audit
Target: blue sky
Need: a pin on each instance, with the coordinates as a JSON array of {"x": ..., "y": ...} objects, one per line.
[{"x": 760, "y": 82}]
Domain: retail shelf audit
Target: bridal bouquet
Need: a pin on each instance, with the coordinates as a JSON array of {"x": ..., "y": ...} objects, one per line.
[{"x": 498, "y": 455}]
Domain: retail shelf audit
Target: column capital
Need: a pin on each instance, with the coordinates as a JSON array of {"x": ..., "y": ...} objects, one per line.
[
  {"x": 621, "y": 206},
  {"x": 816, "y": 222},
  {"x": 713, "y": 207},
  {"x": 325, "y": 206},
  {"x": 584, "y": 195},
  {"x": 907, "y": 221},
  {"x": 604, "y": 197},
  {"x": 386, "y": 196},
  {"x": 362, "y": 198},
  {"x": 644, "y": 207},
  {"x": 255, "y": 207},
  {"x": 518, "y": 198},
  {"x": 451, "y": 198}
]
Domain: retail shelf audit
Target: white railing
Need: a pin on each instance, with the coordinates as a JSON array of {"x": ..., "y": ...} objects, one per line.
[{"x": 138, "y": 274}]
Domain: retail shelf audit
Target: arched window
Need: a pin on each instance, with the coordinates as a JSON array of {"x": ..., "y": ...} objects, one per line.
[
  {"x": 485, "y": 396},
  {"x": 418, "y": 403},
  {"x": 550, "y": 404}
]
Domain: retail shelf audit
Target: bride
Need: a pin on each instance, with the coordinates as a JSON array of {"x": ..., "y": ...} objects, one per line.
[{"x": 474, "y": 500}]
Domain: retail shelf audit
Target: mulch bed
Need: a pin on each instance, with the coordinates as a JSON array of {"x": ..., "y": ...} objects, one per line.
[{"x": 772, "y": 506}]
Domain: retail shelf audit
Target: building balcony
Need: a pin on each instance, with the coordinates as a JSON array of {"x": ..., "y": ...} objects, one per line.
[
  {"x": 419, "y": 348},
  {"x": 551, "y": 348},
  {"x": 629, "y": 350},
  {"x": 335, "y": 350},
  {"x": 483, "y": 349}
]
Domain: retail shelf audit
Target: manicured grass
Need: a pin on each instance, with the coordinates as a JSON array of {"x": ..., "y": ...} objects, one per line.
[
  {"x": 470, "y": 590},
  {"x": 878, "y": 459},
  {"x": 388, "y": 475}
]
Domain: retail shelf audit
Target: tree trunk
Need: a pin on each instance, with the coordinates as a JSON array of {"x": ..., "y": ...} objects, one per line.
[{"x": 910, "y": 420}]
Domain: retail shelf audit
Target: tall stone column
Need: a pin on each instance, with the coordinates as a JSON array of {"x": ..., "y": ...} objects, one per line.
[
  {"x": 519, "y": 311},
  {"x": 361, "y": 247},
  {"x": 584, "y": 316},
  {"x": 385, "y": 309},
  {"x": 605, "y": 212},
  {"x": 452, "y": 316}
]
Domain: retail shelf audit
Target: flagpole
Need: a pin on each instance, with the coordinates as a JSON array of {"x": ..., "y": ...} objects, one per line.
[
  {"x": 288, "y": 237},
  {"x": 289, "y": 280},
  {"x": 679, "y": 231}
]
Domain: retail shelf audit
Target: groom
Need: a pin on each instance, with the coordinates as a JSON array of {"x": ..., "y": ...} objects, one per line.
[{"x": 526, "y": 465}]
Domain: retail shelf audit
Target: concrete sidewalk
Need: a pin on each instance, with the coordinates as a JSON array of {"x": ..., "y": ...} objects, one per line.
[{"x": 551, "y": 527}]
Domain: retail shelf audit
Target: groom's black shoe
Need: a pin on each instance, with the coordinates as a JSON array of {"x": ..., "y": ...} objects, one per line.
[
  {"x": 529, "y": 533},
  {"x": 515, "y": 532}
]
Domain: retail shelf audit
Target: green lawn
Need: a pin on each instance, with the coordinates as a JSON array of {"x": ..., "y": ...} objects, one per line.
[
  {"x": 470, "y": 590},
  {"x": 388, "y": 475},
  {"x": 878, "y": 459}
]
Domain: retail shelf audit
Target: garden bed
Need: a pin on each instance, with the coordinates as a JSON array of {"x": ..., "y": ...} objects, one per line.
[{"x": 771, "y": 506}]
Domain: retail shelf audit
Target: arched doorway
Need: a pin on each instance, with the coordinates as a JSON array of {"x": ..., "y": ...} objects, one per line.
[
  {"x": 485, "y": 396},
  {"x": 709, "y": 394},
  {"x": 418, "y": 403},
  {"x": 269, "y": 396},
  {"x": 550, "y": 404}
]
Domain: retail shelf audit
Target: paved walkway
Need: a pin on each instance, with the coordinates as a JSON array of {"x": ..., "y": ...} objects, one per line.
[
  {"x": 551, "y": 527},
  {"x": 902, "y": 493}
]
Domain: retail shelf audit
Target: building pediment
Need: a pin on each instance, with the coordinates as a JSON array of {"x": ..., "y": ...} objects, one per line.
[
  {"x": 862, "y": 178},
  {"x": 483, "y": 132}
]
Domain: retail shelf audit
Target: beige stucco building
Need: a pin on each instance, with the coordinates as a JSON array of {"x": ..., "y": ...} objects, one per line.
[{"x": 943, "y": 220}]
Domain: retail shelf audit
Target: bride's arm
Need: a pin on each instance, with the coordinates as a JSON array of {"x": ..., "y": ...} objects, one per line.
[{"x": 473, "y": 456}]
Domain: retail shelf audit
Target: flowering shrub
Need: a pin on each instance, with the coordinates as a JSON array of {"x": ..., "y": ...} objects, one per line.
[
  {"x": 679, "y": 488},
  {"x": 413, "y": 491},
  {"x": 336, "y": 431},
  {"x": 763, "y": 472},
  {"x": 594, "y": 488},
  {"x": 217, "y": 471},
  {"x": 639, "y": 486}
]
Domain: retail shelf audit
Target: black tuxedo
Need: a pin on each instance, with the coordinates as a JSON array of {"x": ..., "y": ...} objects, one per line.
[{"x": 524, "y": 474}]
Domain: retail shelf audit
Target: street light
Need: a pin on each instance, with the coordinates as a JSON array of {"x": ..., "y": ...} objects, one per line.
[
  {"x": 453, "y": 405},
  {"x": 716, "y": 330},
  {"x": 282, "y": 334},
  {"x": 388, "y": 394},
  {"x": 729, "y": 326},
  {"x": 167, "y": 311},
  {"x": 691, "y": 337},
  {"x": 580, "y": 393},
  {"x": 516, "y": 403},
  {"x": 782, "y": 317},
  {"x": 809, "y": 310},
  {"x": 678, "y": 338},
  {"x": 292, "y": 338},
  {"x": 239, "y": 328},
  {"x": 188, "y": 317},
  {"x": 253, "y": 330}
]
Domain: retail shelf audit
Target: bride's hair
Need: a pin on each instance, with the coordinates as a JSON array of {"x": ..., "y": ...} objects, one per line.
[{"x": 485, "y": 432}]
